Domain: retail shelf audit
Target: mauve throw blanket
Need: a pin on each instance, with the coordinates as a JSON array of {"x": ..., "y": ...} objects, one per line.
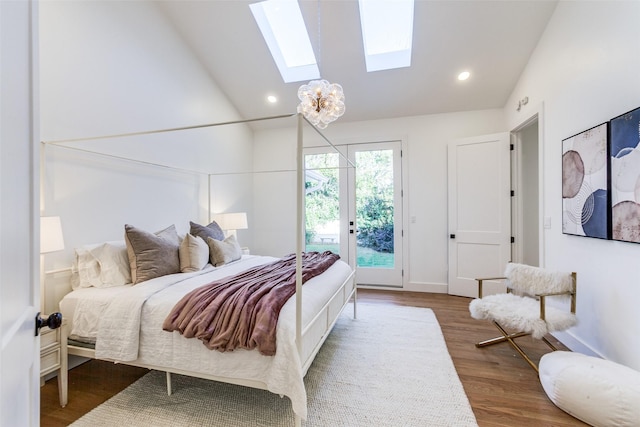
[{"x": 242, "y": 311}]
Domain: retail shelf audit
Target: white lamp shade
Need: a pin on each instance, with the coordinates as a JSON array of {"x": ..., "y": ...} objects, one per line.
[
  {"x": 232, "y": 221},
  {"x": 51, "y": 239}
]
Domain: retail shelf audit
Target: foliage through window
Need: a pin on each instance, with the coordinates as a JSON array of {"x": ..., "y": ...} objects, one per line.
[
  {"x": 322, "y": 198},
  {"x": 374, "y": 199}
]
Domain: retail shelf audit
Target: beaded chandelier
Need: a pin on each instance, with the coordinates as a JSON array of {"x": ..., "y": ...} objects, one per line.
[{"x": 321, "y": 102}]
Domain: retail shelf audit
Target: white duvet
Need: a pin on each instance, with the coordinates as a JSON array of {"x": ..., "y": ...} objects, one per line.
[{"x": 126, "y": 322}]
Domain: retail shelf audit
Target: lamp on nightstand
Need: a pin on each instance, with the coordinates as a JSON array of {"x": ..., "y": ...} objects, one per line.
[
  {"x": 230, "y": 222},
  {"x": 51, "y": 240}
]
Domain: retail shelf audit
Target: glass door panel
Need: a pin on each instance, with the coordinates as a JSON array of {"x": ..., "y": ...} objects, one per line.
[
  {"x": 376, "y": 207},
  {"x": 322, "y": 202},
  {"x": 357, "y": 212}
]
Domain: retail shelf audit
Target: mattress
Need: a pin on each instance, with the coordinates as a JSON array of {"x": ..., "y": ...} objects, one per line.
[
  {"x": 83, "y": 307},
  {"x": 131, "y": 317}
]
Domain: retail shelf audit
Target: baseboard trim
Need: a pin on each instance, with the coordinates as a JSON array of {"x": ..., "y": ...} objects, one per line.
[
  {"x": 433, "y": 288},
  {"x": 575, "y": 344}
]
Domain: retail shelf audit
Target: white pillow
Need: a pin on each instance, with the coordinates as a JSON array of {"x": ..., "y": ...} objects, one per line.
[
  {"x": 85, "y": 270},
  {"x": 101, "y": 265},
  {"x": 194, "y": 254}
]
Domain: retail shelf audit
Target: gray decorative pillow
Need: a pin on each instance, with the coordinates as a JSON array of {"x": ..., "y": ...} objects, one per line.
[
  {"x": 152, "y": 255},
  {"x": 194, "y": 254},
  {"x": 170, "y": 234},
  {"x": 212, "y": 230},
  {"x": 224, "y": 252}
]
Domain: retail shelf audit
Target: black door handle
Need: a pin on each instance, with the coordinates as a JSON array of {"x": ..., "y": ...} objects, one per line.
[
  {"x": 53, "y": 322},
  {"x": 452, "y": 236}
]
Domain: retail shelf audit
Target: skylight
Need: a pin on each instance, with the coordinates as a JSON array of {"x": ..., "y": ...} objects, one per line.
[
  {"x": 283, "y": 29},
  {"x": 387, "y": 32}
]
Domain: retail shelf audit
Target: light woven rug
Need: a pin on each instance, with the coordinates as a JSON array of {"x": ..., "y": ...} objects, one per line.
[{"x": 389, "y": 367}]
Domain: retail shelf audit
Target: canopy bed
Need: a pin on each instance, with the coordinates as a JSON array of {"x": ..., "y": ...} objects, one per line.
[{"x": 129, "y": 320}]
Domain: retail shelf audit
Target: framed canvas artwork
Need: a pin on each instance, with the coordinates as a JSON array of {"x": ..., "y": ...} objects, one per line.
[
  {"x": 625, "y": 177},
  {"x": 585, "y": 194}
]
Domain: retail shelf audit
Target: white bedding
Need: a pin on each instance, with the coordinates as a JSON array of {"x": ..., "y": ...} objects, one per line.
[
  {"x": 84, "y": 307},
  {"x": 127, "y": 324}
]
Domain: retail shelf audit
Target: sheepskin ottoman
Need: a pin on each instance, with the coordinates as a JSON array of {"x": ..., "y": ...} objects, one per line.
[{"x": 597, "y": 391}]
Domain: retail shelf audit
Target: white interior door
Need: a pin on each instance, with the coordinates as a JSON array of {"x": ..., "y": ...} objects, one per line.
[
  {"x": 479, "y": 212},
  {"x": 357, "y": 212},
  {"x": 19, "y": 225}
]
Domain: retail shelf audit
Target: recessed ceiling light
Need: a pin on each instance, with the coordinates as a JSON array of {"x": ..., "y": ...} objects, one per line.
[
  {"x": 464, "y": 75},
  {"x": 272, "y": 99}
]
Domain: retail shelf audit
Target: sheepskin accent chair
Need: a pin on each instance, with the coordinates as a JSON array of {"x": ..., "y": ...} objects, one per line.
[{"x": 523, "y": 308}]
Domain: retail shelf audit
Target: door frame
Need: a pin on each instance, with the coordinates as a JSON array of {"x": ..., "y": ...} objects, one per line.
[
  {"x": 340, "y": 144},
  {"x": 384, "y": 275},
  {"x": 517, "y": 226}
]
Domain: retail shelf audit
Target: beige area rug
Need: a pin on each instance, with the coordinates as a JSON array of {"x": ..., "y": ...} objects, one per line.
[{"x": 388, "y": 367}]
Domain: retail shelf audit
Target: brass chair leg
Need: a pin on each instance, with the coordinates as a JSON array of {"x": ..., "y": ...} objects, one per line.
[
  {"x": 500, "y": 339},
  {"x": 509, "y": 338}
]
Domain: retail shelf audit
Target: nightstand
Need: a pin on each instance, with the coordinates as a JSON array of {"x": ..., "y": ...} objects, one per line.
[{"x": 53, "y": 357}]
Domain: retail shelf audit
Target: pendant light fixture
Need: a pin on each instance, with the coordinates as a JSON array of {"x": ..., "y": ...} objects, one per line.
[{"x": 321, "y": 102}]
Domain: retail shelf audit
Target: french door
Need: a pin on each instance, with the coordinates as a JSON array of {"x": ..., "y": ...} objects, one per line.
[{"x": 354, "y": 208}]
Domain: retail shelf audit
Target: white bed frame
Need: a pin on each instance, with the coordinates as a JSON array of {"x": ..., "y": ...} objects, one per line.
[{"x": 326, "y": 317}]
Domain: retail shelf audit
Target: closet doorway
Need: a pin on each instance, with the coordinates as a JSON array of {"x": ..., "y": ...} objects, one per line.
[
  {"x": 357, "y": 211},
  {"x": 526, "y": 210}
]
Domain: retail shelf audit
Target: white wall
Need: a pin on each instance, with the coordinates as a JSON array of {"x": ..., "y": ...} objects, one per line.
[
  {"x": 110, "y": 67},
  {"x": 584, "y": 72},
  {"x": 425, "y": 140}
]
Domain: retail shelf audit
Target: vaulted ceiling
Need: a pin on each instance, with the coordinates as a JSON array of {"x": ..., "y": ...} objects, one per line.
[{"x": 491, "y": 39}]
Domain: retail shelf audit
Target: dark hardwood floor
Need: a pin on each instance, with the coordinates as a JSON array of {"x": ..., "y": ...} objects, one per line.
[{"x": 502, "y": 388}]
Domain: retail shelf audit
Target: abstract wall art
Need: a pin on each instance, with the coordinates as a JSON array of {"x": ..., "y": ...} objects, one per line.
[
  {"x": 625, "y": 177},
  {"x": 585, "y": 194}
]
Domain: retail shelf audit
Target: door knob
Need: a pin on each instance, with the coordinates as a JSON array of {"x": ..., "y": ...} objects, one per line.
[{"x": 53, "y": 322}]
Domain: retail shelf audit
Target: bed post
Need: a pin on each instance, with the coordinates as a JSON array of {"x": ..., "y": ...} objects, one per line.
[
  {"x": 299, "y": 244},
  {"x": 299, "y": 235},
  {"x": 355, "y": 298},
  {"x": 209, "y": 196}
]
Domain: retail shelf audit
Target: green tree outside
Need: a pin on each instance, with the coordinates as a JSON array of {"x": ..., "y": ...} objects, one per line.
[{"x": 374, "y": 203}]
